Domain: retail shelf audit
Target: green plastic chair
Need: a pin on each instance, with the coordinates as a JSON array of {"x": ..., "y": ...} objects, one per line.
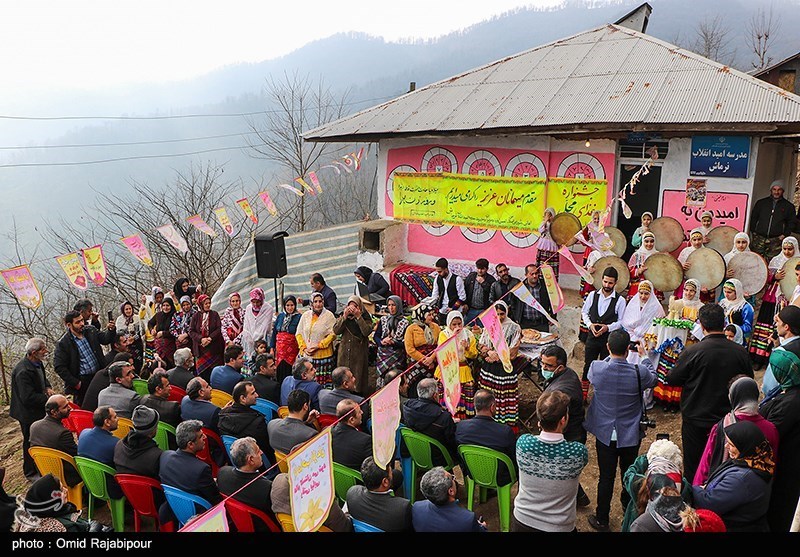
[
  {"x": 94, "y": 476},
  {"x": 343, "y": 479},
  {"x": 163, "y": 434},
  {"x": 140, "y": 386},
  {"x": 419, "y": 447},
  {"x": 481, "y": 468}
]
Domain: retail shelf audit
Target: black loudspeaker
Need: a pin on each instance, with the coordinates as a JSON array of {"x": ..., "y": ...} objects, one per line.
[{"x": 271, "y": 255}]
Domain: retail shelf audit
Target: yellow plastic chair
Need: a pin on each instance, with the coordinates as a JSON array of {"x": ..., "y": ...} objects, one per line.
[
  {"x": 220, "y": 398},
  {"x": 51, "y": 461},
  {"x": 287, "y": 524},
  {"x": 124, "y": 425},
  {"x": 283, "y": 464},
  {"x": 283, "y": 411}
]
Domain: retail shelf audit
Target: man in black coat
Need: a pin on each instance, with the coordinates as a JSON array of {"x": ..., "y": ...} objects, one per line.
[
  {"x": 78, "y": 355},
  {"x": 158, "y": 388},
  {"x": 425, "y": 415},
  {"x": 349, "y": 445},
  {"x": 30, "y": 390},
  {"x": 771, "y": 220},
  {"x": 478, "y": 285},
  {"x": 50, "y": 432},
  {"x": 137, "y": 452},
  {"x": 483, "y": 431},
  {"x": 244, "y": 479},
  {"x": 242, "y": 420},
  {"x": 523, "y": 314},
  {"x": 180, "y": 375},
  {"x": 373, "y": 502},
  {"x": 264, "y": 380},
  {"x": 502, "y": 285}
]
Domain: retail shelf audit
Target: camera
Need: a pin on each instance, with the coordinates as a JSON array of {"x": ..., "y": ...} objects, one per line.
[{"x": 646, "y": 422}]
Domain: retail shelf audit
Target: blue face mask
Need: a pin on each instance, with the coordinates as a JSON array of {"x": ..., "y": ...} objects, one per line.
[{"x": 548, "y": 375}]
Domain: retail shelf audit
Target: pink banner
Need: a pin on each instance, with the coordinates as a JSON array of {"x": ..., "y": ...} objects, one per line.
[
  {"x": 447, "y": 356},
  {"x": 729, "y": 209},
  {"x": 136, "y": 246},
  {"x": 72, "y": 267},
  {"x": 172, "y": 236},
  {"x": 95, "y": 264},
  {"x": 305, "y": 185},
  {"x": 224, "y": 220},
  {"x": 214, "y": 519},
  {"x": 22, "y": 284},
  {"x": 244, "y": 204},
  {"x": 385, "y": 412},
  {"x": 273, "y": 210},
  {"x": 553, "y": 288},
  {"x": 201, "y": 225},
  {"x": 587, "y": 276},
  {"x": 314, "y": 180},
  {"x": 522, "y": 292},
  {"x": 294, "y": 190},
  {"x": 491, "y": 323}
]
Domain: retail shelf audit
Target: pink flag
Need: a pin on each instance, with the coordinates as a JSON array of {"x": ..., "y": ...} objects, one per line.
[
  {"x": 136, "y": 246},
  {"x": 201, "y": 225},
  {"x": 343, "y": 166},
  {"x": 224, "y": 220},
  {"x": 492, "y": 325},
  {"x": 303, "y": 183},
  {"x": 385, "y": 412},
  {"x": 292, "y": 189},
  {"x": 248, "y": 210},
  {"x": 174, "y": 238},
  {"x": 587, "y": 276},
  {"x": 214, "y": 519},
  {"x": 95, "y": 264},
  {"x": 553, "y": 289},
  {"x": 22, "y": 284},
  {"x": 447, "y": 356},
  {"x": 72, "y": 267},
  {"x": 525, "y": 295},
  {"x": 273, "y": 210},
  {"x": 314, "y": 180}
]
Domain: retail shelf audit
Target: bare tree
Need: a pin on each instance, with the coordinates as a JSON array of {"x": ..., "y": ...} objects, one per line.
[
  {"x": 713, "y": 39},
  {"x": 762, "y": 32}
]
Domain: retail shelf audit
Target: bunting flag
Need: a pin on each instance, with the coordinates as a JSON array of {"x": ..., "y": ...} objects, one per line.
[
  {"x": 447, "y": 356},
  {"x": 213, "y": 520},
  {"x": 224, "y": 221},
  {"x": 292, "y": 189},
  {"x": 201, "y": 225},
  {"x": 305, "y": 185},
  {"x": 72, "y": 267},
  {"x": 525, "y": 295},
  {"x": 23, "y": 286},
  {"x": 358, "y": 158},
  {"x": 172, "y": 236},
  {"x": 552, "y": 287},
  {"x": 385, "y": 412},
  {"x": 492, "y": 325},
  {"x": 136, "y": 246},
  {"x": 343, "y": 166},
  {"x": 244, "y": 204},
  {"x": 95, "y": 264},
  {"x": 273, "y": 210},
  {"x": 586, "y": 275},
  {"x": 333, "y": 166},
  {"x": 311, "y": 482},
  {"x": 314, "y": 180}
]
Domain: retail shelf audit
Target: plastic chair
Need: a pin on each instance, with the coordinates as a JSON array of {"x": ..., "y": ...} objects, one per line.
[
  {"x": 227, "y": 441},
  {"x": 287, "y": 524},
  {"x": 124, "y": 425},
  {"x": 51, "y": 461},
  {"x": 205, "y": 454},
  {"x": 220, "y": 398},
  {"x": 283, "y": 464},
  {"x": 359, "y": 526},
  {"x": 343, "y": 479},
  {"x": 140, "y": 386},
  {"x": 139, "y": 492},
  {"x": 283, "y": 411},
  {"x": 73, "y": 405},
  {"x": 176, "y": 394},
  {"x": 81, "y": 419},
  {"x": 242, "y": 516},
  {"x": 184, "y": 504},
  {"x": 266, "y": 407},
  {"x": 481, "y": 468},
  {"x": 420, "y": 447},
  {"x": 325, "y": 420},
  {"x": 164, "y": 433},
  {"x": 96, "y": 475}
]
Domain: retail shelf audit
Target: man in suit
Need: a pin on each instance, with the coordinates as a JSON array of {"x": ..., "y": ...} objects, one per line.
[
  {"x": 526, "y": 316},
  {"x": 197, "y": 405},
  {"x": 441, "y": 512},
  {"x": 482, "y": 430},
  {"x": 158, "y": 388},
  {"x": 78, "y": 355},
  {"x": 295, "y": 428},
  {"x": 302, "y": 377},
  {"x": 425, "y": 415},
  {"x": 502, "y": 285},
  {"x": 264, "y": 379},
  {"x": 240, "y": 419},
  {"x": 29, "y": 392},
  {"x": 477, "y": 287},
  {"x": 137, "y": 452},
  {"x": 448, "y": 291},
  {"x": 349, "y": 445},
  {"x": 373, "y": 502},
  {"x": 180, "y": 375},
  {"x": 98, "y": 443},
  {"x": 224, "y": 378},
  {"x": 119, "y": 394},
  {"x": 50, "y": 432},
  {"x": 343, "y": 381},
  {"x": 244, "y": 479}
]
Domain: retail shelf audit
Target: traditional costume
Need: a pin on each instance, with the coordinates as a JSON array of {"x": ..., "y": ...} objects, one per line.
[
  {"x": 494, "y": 378},
  {"x": 466, "y": 405},
  {"x": 546, "y": 248},
  {"x": 316, "y": 330},
  {"x": 635, "y": 264},
  {"x": 257, "y": 322},
  {"x": 232, "y": 322},
  {"x": 737, "y": 311},
  {"x": 636, "y": 240},
  {"x": 392, "y": 326}
]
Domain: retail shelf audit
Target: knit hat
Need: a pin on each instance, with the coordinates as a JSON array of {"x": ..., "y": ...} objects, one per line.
[
  {"x": 145, "y": 419},
  {"x": 705, "y": 521}
]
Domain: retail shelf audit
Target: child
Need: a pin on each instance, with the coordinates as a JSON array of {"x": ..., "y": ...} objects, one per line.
[{"x": 260, "y": 347}]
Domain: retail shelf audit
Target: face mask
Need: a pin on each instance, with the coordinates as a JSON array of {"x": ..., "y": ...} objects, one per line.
[{"x": 548, "y": 375}]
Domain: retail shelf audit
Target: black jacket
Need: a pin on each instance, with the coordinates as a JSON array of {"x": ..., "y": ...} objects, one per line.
[
  {"x": 187, "y": 472},
  {"x": 256, "y": 494},
  {"x": 66, "y": 360},
  {"x": 267, "y": 388},
  {"x": 180, "y": 377},
  {"x": 469, "y": 287},
  {"x": 168, "y": 411},
  {"x": 51, "y": 433},
  {"x": 350, "y": 447},
  {"x": 390, "y": 514},
  {"x": 29, "y": 386},
  {"x": 485, "y": 432},
  {"x": 569, "y": 383},
  {"x": 426, "y": 416},
  {"x": 767, "y": 223},
  {"x": 137, "y": 453},
  {"x": 100, "y": 381},
  {"x": 544, "y": 299},
  {"x": 243, "y": 421}
]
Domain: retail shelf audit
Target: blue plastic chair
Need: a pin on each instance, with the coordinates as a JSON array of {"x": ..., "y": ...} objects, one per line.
[
  {"x": 228, "y": 440},
  {"x": 184, "y": 504},
  {"x": 266, "y": 407},
  {"x": 359, "y": 526}
]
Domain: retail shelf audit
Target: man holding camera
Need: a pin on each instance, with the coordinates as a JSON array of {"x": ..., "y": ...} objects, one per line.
[{"x": 614, "y": 417}]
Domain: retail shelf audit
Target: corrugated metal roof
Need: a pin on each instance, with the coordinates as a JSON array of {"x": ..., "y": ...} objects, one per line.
[{"x": 610, "y": 76}]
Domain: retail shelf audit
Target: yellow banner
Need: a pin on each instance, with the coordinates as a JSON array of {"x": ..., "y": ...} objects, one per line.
[
  {"x": 71, "y": 266},
  {"x": 95, "y": 265},
  {"x": 447, "y": 356},
  {"x": 577, "y": 196},
  {"x": 505, "y": 203}
]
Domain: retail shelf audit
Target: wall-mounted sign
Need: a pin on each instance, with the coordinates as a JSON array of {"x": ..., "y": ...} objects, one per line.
[{"x": 726, "y": 157}]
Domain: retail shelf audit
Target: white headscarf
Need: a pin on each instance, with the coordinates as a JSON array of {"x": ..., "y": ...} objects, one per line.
[
  {"x": 694, "y": 302},
  {"x": 314, "y": 332},
  {"x": 738, "y": 336},
  {"x": 734, "y": 251},
  {"x": 738, "y": 303},
  {"x": 256, "y": 326},
  {"x": 688, "y": 250},
  {"x": 702, "y": 228},
  {"x": 464, "y": 334},
  {"x": 511, "y": 331},
  {"x": 637, "y": 318},
  {"x": 777, "y": 262},
  {"x": 640, "y": 255}
]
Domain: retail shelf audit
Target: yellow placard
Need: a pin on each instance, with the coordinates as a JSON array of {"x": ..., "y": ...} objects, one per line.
[{"x": 578, "y": 196}]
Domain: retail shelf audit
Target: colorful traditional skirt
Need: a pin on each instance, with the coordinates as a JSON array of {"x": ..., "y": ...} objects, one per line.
[
  {"x": 760, "y": 346},
  {"x": 664, "y": 393},
  {"x": 149, "y": 352},
  {"x": 207, "y": 361},
  {"x": 466, "y": 404},
  {"x": 389, "y": 358},
  {"x": 505, "y": 388},
  {"x": 550, "y": 257},
  {"x": 286, "y": 348},
  {"x": 325, "y": 367},
  {"x": 165, "y": 348}
]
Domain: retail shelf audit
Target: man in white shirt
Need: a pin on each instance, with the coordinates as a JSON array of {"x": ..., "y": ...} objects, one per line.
[{"x": 448, "y": 291}]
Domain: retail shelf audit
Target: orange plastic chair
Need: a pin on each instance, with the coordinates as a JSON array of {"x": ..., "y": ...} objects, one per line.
[
  {"x": 51, "y": 461},
  {"x": 176, "y": 394},
  {"x": 139, "y": 492},
  {"x": 287, "y": 524},
  {"x": 283, "y": 411},
  {"x": 124, "y": 425},
  {"x": 283, "y": 464},
  {"x": 242, "y": 516},
  {"x": 220, "y": 398}
]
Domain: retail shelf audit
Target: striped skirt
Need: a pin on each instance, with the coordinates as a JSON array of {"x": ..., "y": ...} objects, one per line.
[
  {"x": 505, "y": 388},
  {"x": 664, "y": 393},
  {"x": 466, "y": 404},
  {"x": 550, "y": 257},
  {"x": 389, "y": 358},
  {"x": 325, "y": 367}
]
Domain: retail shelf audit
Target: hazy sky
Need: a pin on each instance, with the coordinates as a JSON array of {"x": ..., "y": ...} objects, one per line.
[{"x": 91, "y": 43}]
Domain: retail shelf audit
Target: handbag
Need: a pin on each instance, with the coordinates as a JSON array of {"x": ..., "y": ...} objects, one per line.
[{"x": 644, "y": 421}]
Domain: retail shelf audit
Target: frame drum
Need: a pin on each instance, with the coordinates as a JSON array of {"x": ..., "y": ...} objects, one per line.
[
  {"x": 668, "y": 232},
  {"x": 620, "y": 242},
  {"x": 789, "y": 282},
  {"x": 721, "y": 238},
  {"x": 622, "y": 271},
  {"x": 751, "y": 269},
  {"x": 706, "y": 266},
  {"x": 664, "y": 271},
  {"x": 563, "y": 229}
]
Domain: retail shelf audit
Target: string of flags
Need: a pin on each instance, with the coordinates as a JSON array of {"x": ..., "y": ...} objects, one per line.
[{"x": 90, "y": 268}]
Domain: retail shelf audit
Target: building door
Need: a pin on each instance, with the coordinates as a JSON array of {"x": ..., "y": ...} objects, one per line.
[{"x": 645, "y": 199}]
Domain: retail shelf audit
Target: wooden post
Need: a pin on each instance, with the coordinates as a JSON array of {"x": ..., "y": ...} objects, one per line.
[{"x": 3, "y": 373}]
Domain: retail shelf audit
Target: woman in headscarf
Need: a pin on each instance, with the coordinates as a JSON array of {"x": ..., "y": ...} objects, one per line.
[
  {"x": 420, "y": 341},
  {"x": 375, "y": 282},
  {"x": 733, "y": 333},
  {"x": 355, "y": 326},
  {"x": 179, "y": 327},
  {"x": 315, "y": 338},
  {"x": 183, "y": 288},
  {"x": 160, "y": 326},
  {"x": 205, "y": 330},
  {"x": 504, "y": 385},
  {"x": 737, "y": 309},
  {"x": 389, "y": 336},
  {"x": 257, "y": 324},
  {"x": 695, "y": 242},
  {"x": 232, "y": 320},
  {"x": 45, "y": 508},
  {"x": 782, "y": 408},
  {"x": 639, "y": 315},
  {"x": 772, "y": 302},
  {"x": 637, "y": 264},
  {"x": 147, "y": 310},
  {"x": 706, "y": 219},
  {"x": 743, "y": 394},
  {"x": 738, "y": 490},
  {"x": 690, "y": 300},
  {"x": 594, "y": 236},
  {"x": 647, "y": 220},
  {"x": 664, "y": 506},
  {"x": 467, "y": 350},
  {"x": 129, "y": 323},
  {"x": 546, "y": 248},
  {"x": 283, "y": 340}
]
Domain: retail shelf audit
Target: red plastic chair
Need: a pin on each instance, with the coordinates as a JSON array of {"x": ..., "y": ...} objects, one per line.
[
  {"x": 81, "y": 419},
  {"x": 139, "y": 492},
  {"x": 325, "y": 420},
  {"x": 205, "y": 454},
  {"x": 242, "y": 516},
  {"x": 73, "y": 405},
  {"x": 176, "y": 394}
]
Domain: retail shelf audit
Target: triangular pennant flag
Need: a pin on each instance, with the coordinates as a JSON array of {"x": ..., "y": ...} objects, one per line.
[
  {"x": 201, "y": 225},
  {"x": 224, "y": 220},
  {"x": 552, "y": 287},
  {"x": 244, "y": 204},
  {"x": 173, "y": 237},
  {"x": 563, "y": 250},
  {"x": 305, "y": 185},
  {"x": 314, "y": 180},
  {"x": 333, "y": 166},
  {"x": 525, "y": 295},
  {"x": 265, "y": 198},
  {"x": 292, "y": 189},
  {"x": 23, "y": 285},
  {"x": 72, "y": 267},
  {"x": 95, "y": 264},
  {"x": 137, "y": 248}
]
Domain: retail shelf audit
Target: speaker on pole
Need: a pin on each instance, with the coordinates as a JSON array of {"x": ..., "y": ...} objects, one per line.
[{"x": 271, "y": 255}]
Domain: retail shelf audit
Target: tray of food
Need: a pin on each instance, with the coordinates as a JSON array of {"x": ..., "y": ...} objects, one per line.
[{"x": 532, "y": 337}]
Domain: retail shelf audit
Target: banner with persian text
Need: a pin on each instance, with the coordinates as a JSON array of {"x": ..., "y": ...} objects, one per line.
[
  {"x": 311, "y": 482},
  {"x": 385, "y": 411},
  {"x": 447, "y": 356},
  {"x": 579, "y": 196},
  {"x": 22, "y": 284},
  {"x": 72, "y": 267}
]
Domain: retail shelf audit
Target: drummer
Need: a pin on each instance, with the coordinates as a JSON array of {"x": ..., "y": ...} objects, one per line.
[
  {"x": 647, "y": 220},
  {"x": 737, "y": 309},
  {"x": 637, "y": 265},
  {"x": 695, "y": 242},
  {"x": 546, "y": 248},
  {"x": 741, "y": 244},
  {"x": 603, "y": 249},
  {"x": 706, "y": 219}
]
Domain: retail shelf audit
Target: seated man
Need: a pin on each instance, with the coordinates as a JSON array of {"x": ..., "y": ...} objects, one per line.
[
  {"x": 343, "y": 382},
  {"x": 303, "y": 373},
  {"x": 158, "y": 386},
  {"x": 180, "y": 375},
  {"x": 100, "y": 381},
  {"x": 197, "y": 405},
  {"x": 225, "y": 377},
  {"x": 98, "y": 443},
  {"x": 244, "y": 480},
  {"x": 240, "y": 419},
  {"x": 295, "y": 428},
  {"x": 50, "y": 432},
  {"x": 425, "y": 415},
  {"x": 373, "y": 502},
  {"x": 482, "y": 430},
  {"x": 337, "y": 520},
  {"x": 264, "y": 379},
  {"x": 137, "y": 452},
  {"x": 119, "y": 394},
  {"x": 440, "y": 512}
]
